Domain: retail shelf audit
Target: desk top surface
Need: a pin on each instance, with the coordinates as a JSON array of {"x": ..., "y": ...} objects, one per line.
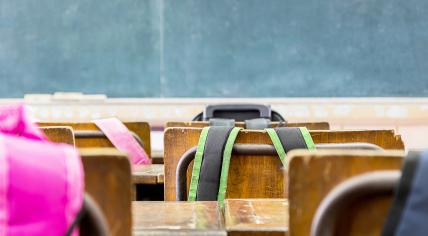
[
  {"x": 199, "y": 218},
  {"x": 206, "y": 218},
  {"x": 256, "y": 215},
  {"x": 148, "y": 174}
]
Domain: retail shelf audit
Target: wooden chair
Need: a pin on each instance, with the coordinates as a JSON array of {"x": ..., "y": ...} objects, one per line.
[
  {"x": 59, "y": 134},
  {"x": 312, "y": 175},
  {"x": 267, "y": 180},
  {"x": 201, "y": 124},
  {"x": 88, "y": 134},
  {"x": 108, "y": 181},
  {"x": 142, "y": 175}
]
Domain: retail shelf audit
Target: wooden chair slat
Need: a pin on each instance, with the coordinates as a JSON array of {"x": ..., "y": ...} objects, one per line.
[
  {"x": 108, "y": 181},
  {"x": 59, "y": 134}
]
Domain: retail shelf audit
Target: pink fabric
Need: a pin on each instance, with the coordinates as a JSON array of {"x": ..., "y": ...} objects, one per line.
[
  {"x": 15, "y": 121},
  {"x": 123, "y": 140},
  {"x": 41, "y": 183}
]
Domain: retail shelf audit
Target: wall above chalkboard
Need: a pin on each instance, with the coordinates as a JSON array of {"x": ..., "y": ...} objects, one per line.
[{"x": 222, "y": 48}]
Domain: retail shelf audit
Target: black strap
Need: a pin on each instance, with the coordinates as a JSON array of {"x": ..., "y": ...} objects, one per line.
[
  {"x": 209, "y": 177},
  {"x": 222, "y": 122},
  {"x": 291, "y": 138},
  {"x": 402, "y": 191},
  {"x": 275, "y": 116},
  {"x": 257, "y": 124},
  {"x": 76, "y": 221}
]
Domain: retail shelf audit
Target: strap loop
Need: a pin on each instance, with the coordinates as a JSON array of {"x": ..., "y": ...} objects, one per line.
[{"x": 226, "y": 163}]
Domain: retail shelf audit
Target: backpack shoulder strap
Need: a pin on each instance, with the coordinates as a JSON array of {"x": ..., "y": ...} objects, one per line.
[
  {"x": 286, "y": 139},
  {"x": 227, "y": 154},
  {"x": 208, "y": 162},
  {"x": 123, "y": 140}
]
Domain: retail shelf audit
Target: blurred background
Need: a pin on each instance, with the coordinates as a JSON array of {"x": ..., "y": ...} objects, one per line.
[
  {"x": 355, "y": 63},
  {"x": 222, "y": 48}
]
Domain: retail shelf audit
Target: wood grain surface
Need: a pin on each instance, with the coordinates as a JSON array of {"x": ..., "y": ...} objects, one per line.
[
  {"x": 256, "y": 216},
  {"x": 59, "y": 134},
  {"x": 108, "y": 181},
  {"x": 177, "y": 218},
  {"x": 313, "y": 174}
]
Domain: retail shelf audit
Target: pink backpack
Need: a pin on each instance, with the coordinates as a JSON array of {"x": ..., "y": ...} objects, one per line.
[{"x": 41, "y": 183}]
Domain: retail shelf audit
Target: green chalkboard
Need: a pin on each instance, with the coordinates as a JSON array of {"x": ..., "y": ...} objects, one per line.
[{"x": 207, "y": 48}]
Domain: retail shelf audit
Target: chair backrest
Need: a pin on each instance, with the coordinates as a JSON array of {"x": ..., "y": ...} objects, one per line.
[
  {"x": 363, "y": 189},
  {"x": 312, "y": 175},
  {"x": 247, "y": 173},
  {"x": 201, "y": 124},
  {"x": 59, "y": 134},
  {"x": 85, "y": 137},
  {"x": 108, "y": 182},
  {"x": 238, "y": 112}
]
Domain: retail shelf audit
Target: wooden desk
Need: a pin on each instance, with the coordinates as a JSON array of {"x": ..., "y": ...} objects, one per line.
[
  {"x": 256, "y": 216},
  {"x": 177, "y": 218},
  {"x": 148, "y": 174}
]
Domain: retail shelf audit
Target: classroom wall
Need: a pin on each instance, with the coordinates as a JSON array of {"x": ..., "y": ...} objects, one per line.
[{"x": 222, "y": 48}]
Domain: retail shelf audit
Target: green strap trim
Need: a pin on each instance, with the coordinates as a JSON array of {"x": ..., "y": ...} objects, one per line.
[
  {"x": 308, "y": 138},
  {"x": 227, "y": 153},
  {"x": 197, "y": 164},
  {"x": 278, "y": 146}
]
